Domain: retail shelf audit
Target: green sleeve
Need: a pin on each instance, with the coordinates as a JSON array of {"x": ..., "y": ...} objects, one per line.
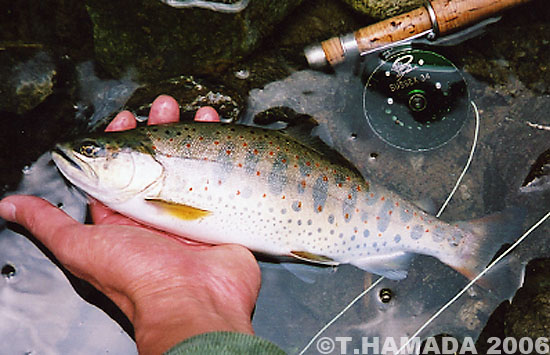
[{"x": 225, "y": 343}]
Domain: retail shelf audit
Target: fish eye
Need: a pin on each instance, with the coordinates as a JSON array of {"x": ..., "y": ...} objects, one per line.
[{"x": 90, "y": 149}]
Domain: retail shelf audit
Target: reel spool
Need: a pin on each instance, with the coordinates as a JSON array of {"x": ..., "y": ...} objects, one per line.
[{"x": 414, "y": 99}]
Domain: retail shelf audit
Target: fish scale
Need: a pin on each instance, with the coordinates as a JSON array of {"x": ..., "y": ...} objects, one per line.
[{"x": 223, "y": 183}]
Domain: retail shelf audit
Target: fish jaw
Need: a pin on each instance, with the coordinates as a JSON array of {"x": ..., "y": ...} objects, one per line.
[{"x": 113, "y": 179}]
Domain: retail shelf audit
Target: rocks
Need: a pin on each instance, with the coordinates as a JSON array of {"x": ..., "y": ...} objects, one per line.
[
  {"x": 160, "y": 41},
  {"x": 27, "y": 80},
  {"x": 383, "y": 8}
]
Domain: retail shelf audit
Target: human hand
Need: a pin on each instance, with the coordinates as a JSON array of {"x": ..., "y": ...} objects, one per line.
[{"x": 168, "y": 288}]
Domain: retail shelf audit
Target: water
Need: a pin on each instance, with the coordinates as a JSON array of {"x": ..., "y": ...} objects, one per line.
[{"x": 40, "y": 312}]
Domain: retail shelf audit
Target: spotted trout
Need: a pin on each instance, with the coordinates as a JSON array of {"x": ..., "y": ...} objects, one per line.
[{"x": 263, "y": 189}]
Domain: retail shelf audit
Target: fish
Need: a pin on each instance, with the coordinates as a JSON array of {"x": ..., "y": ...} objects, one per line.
[{"x": 272, "y": 193}]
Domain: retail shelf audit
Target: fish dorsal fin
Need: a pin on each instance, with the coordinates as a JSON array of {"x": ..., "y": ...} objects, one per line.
[
  {"x": 313, "y": 258},
  {"x": 178, "y": 210},
  {"x": 393, "y": 266},
  {"x": 300, "y": 127}
]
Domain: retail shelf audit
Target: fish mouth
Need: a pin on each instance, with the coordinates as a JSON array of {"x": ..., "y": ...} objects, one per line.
[
  {"x": 63, "y": 155},
  {"x": 71, "y": 166}
]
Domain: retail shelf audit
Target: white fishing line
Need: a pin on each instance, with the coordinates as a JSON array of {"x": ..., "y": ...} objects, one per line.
[
  {"x": 363, "y": 293},
  {"x": 470, "y": 158},
  {"x": 373, "y": 285},
  {"x": 481, "y": 274}
]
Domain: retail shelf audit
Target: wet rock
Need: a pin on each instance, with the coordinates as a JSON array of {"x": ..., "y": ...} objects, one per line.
[
  {"x": 383, "y": 8},
  {"x": 160, "y": 41},
  {"x": 191, "y": 94},
  {"x": 27, "y": 80},
  {"x": 529, "y": 315}
]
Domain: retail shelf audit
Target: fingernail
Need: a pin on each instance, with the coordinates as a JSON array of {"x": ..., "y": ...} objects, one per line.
[{"x": 7, "y": 211}]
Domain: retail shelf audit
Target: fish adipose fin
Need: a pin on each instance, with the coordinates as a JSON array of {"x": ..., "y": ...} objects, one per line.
[
  {"x": 180, "y": 211},
  {"x": 486, "y": 237},
  {"x": 313, "y": 258},
  {"x": 392, "y": 266}
]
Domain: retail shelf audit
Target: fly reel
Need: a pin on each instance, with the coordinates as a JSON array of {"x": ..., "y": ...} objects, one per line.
[{"x": 414, "y": 99}]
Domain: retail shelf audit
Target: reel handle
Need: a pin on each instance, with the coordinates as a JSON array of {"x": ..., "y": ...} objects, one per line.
[{"x": 437, "y": 17}]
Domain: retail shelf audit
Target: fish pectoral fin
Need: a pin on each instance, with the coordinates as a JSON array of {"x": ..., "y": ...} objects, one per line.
[
  {"x": 313, "y": 258},
  {"x": 392, "y": 266},
  {"x": 178, "y": 210}
]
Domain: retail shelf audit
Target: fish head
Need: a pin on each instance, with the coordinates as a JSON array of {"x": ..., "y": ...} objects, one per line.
[{"x": 110, "y": 168}]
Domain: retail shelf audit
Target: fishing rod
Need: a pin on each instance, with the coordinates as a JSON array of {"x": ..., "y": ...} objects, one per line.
[{"x": 436, "y": 18}]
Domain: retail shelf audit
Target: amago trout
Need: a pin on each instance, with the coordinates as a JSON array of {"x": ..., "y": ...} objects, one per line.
[{"x": 221, "y": 183}]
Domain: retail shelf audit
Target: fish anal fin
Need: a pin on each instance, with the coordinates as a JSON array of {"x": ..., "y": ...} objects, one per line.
[
  {"x": 313, "y": 258},
  {"x": 392, "y": 266},
  {"x": 178, "y": 210}
]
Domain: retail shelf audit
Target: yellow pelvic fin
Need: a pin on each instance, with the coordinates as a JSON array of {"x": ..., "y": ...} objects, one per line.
[
  {"x": 180, "y": 211},
  {"x": 313, "y": 258}
]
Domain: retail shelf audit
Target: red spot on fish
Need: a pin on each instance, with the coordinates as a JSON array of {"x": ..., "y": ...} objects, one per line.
[
  {"x": 283, "y": 197},
  {"x": 190, "y": 189},
  {"x": 371, "y": 195},
  {"x": 377, "y": 217},
  {"x": 283, "y": 161},
  {"x": 258, "y": 173},
  {"x": 264, "y": 195},
  {"x": 270, "y": 143},
  {"x": 408, "y": 227},
  {"x": 270, "y": 153},
  {"x": 308, "y": 163},
  {"x": 346, "y": 216},
  {"x": 219, "y": 182},
  {"x": 201, "y": 138},
  {"x": 228, "y": 152},
  {"x": 350, "y": 197},
  {"x": 188, "y": 145},
  {"x": 357, "y": 210},
  {"x": 240, "y": 165},
  {"x": 348, "y": 178},
  {"x": 169, "y": 155},
  {"x": 299, "y": 204},
  {"x": 379, "y": 234},
  {"x": 383, "y": 198},
  {"x": 319, "y": 208},
  {"x": 228, "y": 137},
  {"x": 325, "y": 178},
  {"x": 303, "y": 183},
  {"x": 421, "y": 218},
  {"x": 406, "y": 211},
  {"x": 415, "y": 214},
  {"x": 255, "y": 151},
  {"x": 295, "y": 165},
  {"x": 244, "y": 144},
  {"x": 308, "y": 175},
  {"x": 297, "y": 157},
  {"x": 216, "y": 142},
  {"x": 358, "y": 188},
  {"x": 154, "y": 147},
  {"x": 317, "y": 165},
  {"x": 390, "y": 212},
  {"x": 427, "y": 230},
  {"x": 339, "y": 184},
  {"x": 206, "y": 188},
  {"x": 397, "y": 204},
  {"x": 171, "y": 140},
  {"x": 238, "y": 192}
]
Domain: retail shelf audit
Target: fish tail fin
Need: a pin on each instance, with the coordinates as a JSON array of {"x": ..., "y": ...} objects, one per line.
[{"x": 483, "y": 239}]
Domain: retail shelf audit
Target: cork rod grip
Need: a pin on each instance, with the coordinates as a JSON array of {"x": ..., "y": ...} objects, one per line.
[
  {"x": 454, "y": 14},
  {"x": 451, "y": 15},
  {"x": 381, "y": 33}
]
